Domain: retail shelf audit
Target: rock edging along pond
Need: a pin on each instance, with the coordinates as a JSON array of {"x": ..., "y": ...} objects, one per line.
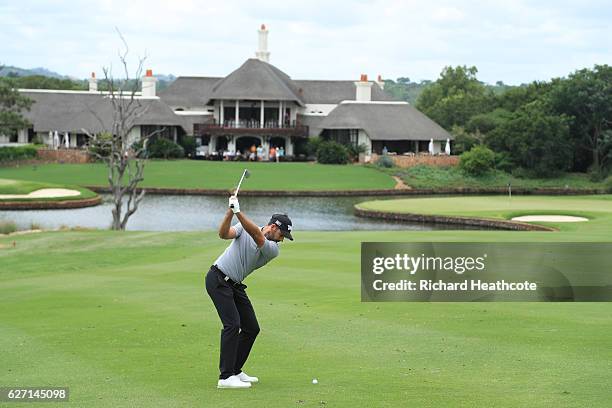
[
  {"x": 446, "y": 219},
  {"x": 50, "y": 205},
  {"x": 346, "y": 193}
]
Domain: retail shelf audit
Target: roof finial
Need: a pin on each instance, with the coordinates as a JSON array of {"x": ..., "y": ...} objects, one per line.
[{"x": 262, "y": 53}]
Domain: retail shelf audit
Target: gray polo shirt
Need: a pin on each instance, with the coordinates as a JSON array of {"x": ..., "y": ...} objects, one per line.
[{"x": 243, "y": 256}]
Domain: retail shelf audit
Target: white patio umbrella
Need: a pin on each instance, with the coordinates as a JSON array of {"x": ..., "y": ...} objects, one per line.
[
  {"x": 51, "y": 139},
  {"x": 56, "y": 140},
  {"x": 66, "y": 140},
  {"x": 431, "y": 147},
  {"x": 447, "y": 148}
]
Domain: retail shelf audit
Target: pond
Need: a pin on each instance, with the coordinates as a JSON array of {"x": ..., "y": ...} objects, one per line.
[{"x": 196, "y": 213}]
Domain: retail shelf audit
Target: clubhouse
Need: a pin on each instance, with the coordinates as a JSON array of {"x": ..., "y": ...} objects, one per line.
[{"x": 257, "y": 104}]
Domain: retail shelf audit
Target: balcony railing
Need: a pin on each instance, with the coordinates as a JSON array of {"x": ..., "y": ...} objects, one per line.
[
  {"x": 253, "y": 124},
  {"x": 250, "y": 126}
]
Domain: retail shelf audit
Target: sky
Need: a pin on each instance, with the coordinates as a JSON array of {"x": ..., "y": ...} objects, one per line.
[{"x": 511, "y": 41}]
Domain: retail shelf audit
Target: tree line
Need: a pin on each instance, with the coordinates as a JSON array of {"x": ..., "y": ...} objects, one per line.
[{"x": 542, "y": 128}]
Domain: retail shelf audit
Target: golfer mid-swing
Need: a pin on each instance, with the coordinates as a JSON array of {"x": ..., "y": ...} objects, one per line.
[{"x": 252, "y": 247}]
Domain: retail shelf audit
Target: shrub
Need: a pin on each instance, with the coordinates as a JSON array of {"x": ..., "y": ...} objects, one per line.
[
  {"x": 478, "y": 161},
  {"x": 608, "y": 184},
  {"x": 355, "y": 151},
  {"x": 188, "y": 143},
  {"x": 6, "y": 227},
  {"x": 330, "y": 152},
  {"x": 313, "y": 145},
  {"x": 164, "y": 149},
  {"x": 385, "y": 161},
  {"x": 99, "y": 146},
  {"x": 38, "y": 140},
  {"x": 10, "y": 153}
]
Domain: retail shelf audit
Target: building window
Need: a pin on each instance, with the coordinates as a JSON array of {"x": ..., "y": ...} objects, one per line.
[
  {"x": 162, "y": 131},
  {"x": 354, "y": 136},
  {"x": 342, "y": 136}
]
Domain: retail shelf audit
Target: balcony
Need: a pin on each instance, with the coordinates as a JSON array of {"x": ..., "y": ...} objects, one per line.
[{"x": 248, "y": 127}]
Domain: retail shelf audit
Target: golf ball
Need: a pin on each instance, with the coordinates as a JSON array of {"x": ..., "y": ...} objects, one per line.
[{"x": 314, "y": 381}]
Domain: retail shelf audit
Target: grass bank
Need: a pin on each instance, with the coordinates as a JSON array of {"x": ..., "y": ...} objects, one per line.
[
  {"x": 216, "y": 175},
  {"x": 452, "y": 177}
]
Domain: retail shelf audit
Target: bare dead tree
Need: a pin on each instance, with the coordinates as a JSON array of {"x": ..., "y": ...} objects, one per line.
[{"x": 125, "y": 160}]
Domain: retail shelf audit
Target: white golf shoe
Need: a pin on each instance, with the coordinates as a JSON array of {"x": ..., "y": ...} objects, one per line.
[
  {"x": 233, "y": 382},
  {"x": 247, "y": 378}
]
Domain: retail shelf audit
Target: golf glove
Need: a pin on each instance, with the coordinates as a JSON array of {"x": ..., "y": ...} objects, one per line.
[{"x": 234, "y": 204}]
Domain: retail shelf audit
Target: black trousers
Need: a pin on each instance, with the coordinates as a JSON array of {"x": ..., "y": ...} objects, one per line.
[{"x": 240, "y": 327}]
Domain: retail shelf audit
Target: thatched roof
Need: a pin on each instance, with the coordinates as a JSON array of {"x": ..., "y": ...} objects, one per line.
[{"x": 385, "y": 121}]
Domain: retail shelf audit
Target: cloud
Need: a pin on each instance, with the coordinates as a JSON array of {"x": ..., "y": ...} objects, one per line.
[{"x": 516, "y": 41}]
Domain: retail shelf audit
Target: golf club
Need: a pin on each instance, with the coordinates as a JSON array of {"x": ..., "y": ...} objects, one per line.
[{"x": 246, "y": 174}]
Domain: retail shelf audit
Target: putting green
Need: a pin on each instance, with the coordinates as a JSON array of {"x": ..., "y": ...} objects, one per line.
[
  {"x": 123, "y": 320},
  {"x": 20, "y": 190},
  {"x": 597, "y": 208}
]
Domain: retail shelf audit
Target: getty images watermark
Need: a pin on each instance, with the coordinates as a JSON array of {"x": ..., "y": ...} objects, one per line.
[{"x": 433, "y": 271}]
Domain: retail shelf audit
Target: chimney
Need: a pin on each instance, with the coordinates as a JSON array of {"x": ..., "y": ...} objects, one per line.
[
  {"x": 93, "y": 83},
  {"x": 364, "y": 89},
  {"x": 262, "y": 53},
  {"x": 148, "y": 84},
  {"x": 380, "y": 82}
]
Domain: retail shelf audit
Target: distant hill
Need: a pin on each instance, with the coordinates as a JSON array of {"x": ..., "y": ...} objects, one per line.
[
  {"x": 31, "y": 78},
  {"x": 403, "y": 88},
  {"x": 16, "y": 71}
]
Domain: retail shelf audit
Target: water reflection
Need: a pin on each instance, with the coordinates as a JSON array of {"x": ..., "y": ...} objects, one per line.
[{"x": 192, "y": 213}]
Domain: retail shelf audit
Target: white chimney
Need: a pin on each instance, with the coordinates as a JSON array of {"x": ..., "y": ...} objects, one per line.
[
  {"x": 148, "y": 84},
  {"x": 93, "y": 83},
  {"x": 262, "y": 53},
  {"x": 364, "y": 89},
  {"x": 380, "y": 82}
]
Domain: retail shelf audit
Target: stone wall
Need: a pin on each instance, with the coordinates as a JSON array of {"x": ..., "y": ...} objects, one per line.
[
  {"x": 453, "y": 220},
  {"x": 63, "y": 156},
  {"x": 427, "y": 159},
  {"x": 49, "y": 205},
  {"x": 359, "y": 193}
]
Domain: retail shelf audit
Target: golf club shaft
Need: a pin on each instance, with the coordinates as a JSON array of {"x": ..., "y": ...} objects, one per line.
[{"x": 240, "y": 182}]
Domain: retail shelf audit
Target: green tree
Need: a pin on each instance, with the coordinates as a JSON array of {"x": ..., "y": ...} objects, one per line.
[
  {"x": 403, "y": 89},
  {"x": 43, "y": 82},
  {"x": 455, "y": 97},
  {"x": 513, "y": 98},
  {"x": 586, "y": 96},
  {"x": 535, "y": 139},
  {"x": 12, "y": 103},
  {"x": 464, "y": 141},
  {"x": 486, "y": 122}
]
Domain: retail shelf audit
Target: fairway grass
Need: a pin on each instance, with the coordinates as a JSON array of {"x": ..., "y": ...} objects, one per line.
[
  {"x": 197, "y": 174},
  {"x": 123, "y": 320}
]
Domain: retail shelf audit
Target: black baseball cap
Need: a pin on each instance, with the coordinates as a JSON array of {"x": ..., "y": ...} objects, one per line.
[{"x": 283, "y": 222}]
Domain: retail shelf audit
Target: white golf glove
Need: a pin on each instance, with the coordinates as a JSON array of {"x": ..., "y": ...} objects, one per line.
[{"x": 234, "y": 204}]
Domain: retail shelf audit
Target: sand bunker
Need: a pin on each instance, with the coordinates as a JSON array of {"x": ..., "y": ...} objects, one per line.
[
  {"x": 43, "y": 193},
  {"x": 550, "y": 218}
]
